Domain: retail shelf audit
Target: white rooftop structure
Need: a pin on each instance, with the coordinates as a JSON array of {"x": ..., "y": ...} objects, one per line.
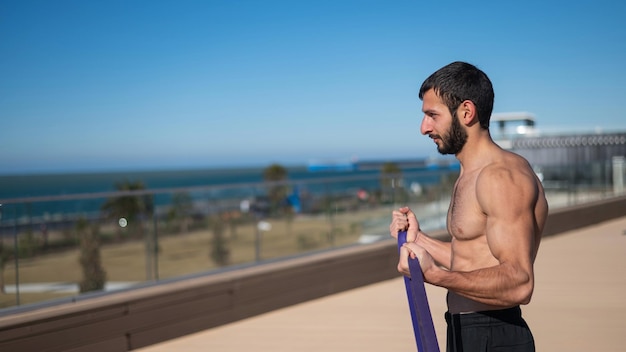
[{"x": 512, "y": 125}]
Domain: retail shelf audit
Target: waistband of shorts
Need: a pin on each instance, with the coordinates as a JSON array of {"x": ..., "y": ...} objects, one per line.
[{"x": 511, "y": 315}]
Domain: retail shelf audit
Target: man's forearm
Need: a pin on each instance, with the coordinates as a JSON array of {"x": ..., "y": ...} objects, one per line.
[
  {"x": 501, "y": 285},
  {"x": 440, "y": 251}
]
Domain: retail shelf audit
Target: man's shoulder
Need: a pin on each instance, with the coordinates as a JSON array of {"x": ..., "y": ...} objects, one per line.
[
  {"x": 507, "y": 162},
  {"x": 508, "y": 169}
]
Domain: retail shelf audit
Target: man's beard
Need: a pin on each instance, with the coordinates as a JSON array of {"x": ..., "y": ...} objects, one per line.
[{"x": 454, "y": 140}]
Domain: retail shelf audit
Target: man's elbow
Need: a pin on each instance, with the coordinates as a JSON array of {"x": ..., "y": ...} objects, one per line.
[
  {"x": 523, "y": 293},
  {"x": 525, "y": 298}
]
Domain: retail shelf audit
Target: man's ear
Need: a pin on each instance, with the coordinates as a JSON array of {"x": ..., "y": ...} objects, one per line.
[{"x": 467, "y": 113}]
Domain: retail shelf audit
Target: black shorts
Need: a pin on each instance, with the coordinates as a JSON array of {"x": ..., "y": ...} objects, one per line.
[{"x": 492, "y": 330}]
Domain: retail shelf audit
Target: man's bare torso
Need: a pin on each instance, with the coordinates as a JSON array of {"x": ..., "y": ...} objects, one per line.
[{"x": 467, "y": 222}]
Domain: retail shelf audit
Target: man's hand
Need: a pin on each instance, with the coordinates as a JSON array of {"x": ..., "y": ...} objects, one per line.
[
  {"x": 403, "y": 219},
  {"x": 412, "y": 250}
]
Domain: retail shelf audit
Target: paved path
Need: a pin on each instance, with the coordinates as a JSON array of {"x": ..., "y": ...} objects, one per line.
[{"x": 578, "y": 305}]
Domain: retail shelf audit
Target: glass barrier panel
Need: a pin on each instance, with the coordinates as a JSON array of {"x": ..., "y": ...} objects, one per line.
[{"x": 59, "y": 247}]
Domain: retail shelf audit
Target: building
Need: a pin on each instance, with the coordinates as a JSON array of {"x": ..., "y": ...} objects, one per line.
[{"x": 565, "y": 158}]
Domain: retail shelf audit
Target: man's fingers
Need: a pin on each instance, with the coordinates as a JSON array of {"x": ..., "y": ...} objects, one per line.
[
  {"x": 403, "y": 263},
  {"x": 399, "y": 221},
  {"x": 408, "y": 213},
  {"x": 412, "y": 249}
]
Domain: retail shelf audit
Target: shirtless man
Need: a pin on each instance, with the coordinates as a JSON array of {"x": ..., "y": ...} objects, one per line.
[{"x": 496, "y": 216}]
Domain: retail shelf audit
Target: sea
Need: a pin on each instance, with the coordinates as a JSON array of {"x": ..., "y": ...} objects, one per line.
[{"x": 25, "y": 192}]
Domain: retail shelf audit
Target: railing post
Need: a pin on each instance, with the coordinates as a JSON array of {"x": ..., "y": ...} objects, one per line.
[
  {"x": 155, "y": 243},
  {"x": 257, "y": 241},
  {"x": 618, "y": 174},
  {"x": 16, "y": 258}
]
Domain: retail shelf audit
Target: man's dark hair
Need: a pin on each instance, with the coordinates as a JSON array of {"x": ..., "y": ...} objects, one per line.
[{"x": 460, "y": 81}]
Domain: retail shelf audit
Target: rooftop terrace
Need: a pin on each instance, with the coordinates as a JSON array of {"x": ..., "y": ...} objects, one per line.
[{"x": 578, "y": 305}]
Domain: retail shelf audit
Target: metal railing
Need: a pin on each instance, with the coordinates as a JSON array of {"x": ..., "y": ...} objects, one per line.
[{"x": 60, "y": 248}]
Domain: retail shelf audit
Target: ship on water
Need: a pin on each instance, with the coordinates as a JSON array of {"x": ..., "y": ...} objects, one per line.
[{"x": 366, "y": 165}]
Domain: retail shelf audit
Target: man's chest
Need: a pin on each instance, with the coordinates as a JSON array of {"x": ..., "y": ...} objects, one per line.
[{"x": 465, "y": 219}]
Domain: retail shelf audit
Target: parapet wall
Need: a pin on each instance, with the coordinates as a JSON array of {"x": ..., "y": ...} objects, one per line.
[
  {"x": 574, "y": 217},
  {"x": 135, "y": 318}
]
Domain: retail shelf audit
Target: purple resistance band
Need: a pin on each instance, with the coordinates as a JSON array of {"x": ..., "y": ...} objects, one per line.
[{"x": 423, "y": 327}]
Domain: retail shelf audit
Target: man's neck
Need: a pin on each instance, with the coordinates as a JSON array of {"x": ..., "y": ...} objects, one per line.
[{"x": 477, "y": 151}]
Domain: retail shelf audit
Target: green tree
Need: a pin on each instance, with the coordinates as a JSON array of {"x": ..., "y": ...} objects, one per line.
[
  {"x": 275, "y": 174},
  {"x": 182, "y": 206},
  {"x": 130, "y": 206},
  {"x": 5, "y": 256},
  {"x": 219, "y": 253},
  {"x": 233, "y": 219},
  {"x": 444, "y": 187},
  {"x": 391, "y": 181},
  {"x": 28, "y": 244},
  {"x": 94, "y": 275}
]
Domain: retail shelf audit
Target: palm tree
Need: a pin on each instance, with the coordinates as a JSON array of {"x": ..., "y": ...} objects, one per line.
[
  {"x": 277, "y": 192},
  {"x": 131, "y": 207},
  {"x": 94, "y": 275},
  {"x": 391, "y": 179},
  {"x": 5, "y": 254},
  {"x": 182, "y": 206},
  {"x": 219, "y": 252}
]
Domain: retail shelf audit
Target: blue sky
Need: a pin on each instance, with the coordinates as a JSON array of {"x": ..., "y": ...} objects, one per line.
[{"x": 145, "y": 84}]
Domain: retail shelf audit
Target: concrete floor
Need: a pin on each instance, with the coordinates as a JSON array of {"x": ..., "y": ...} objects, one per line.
[{"x": 578, "y": 305}]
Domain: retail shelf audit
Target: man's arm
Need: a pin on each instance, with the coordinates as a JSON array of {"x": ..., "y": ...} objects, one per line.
[
  {"x": 507, "y": 198},
  {"x": 440, "y": 251}
]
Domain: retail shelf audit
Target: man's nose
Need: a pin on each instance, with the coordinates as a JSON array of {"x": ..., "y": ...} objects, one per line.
[{"x": 426, "y": 127}]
